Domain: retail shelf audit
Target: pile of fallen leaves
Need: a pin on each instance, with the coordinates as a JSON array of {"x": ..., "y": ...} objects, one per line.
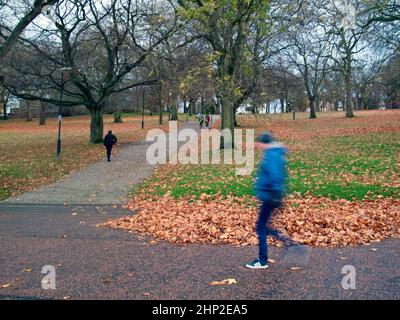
[{"x": 318, "y": 222}]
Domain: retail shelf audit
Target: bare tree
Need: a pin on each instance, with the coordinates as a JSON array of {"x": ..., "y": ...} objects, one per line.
[
  {"x": 345, "y": 23},
  {"x": 309, "y": 50},
  {"x": 382, "y": 11},
  {"x": 366, "y": 70},
  {"x": 227, "y": 27},
  {"x": 4, "y": 98},
  {"x": 102, "y": 43},
  {"x": 388, "y": 80},
  {"x": 9, "y": 33}
]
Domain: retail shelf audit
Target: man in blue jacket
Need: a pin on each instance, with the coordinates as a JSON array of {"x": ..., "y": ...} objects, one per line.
[{"x": 270, "y": 190}]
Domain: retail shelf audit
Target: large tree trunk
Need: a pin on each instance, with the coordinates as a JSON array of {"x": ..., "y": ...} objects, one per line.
[
  {"x": 96, "y": 125},
  {"x": 218, "y": 106},
  {"x": 235, "y": 108},
  {"x": 42, "y": 115},
  {"x": 192, "y": 106},
  {"x": 227, "y": 122},
  {"x": 311, "y": 105},
  {"x": 160, "y": 104},
  {"x": 349, "y": 105},
  {"x": 160, "y": 114},
  {"x": 28, "y": 114},
  {"x": 174, "y": 111},
  {"x": 362, "y": 103},
  {"x": 348, "y": 84},
  {"x": 282, "y": 101}
]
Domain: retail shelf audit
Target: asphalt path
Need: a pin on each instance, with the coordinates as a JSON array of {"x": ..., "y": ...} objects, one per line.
[{"x": 101, "y": 263}]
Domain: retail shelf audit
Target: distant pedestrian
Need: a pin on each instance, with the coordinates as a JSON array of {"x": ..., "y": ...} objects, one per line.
[
  {"x": 208, "y": 120},
  {"x": 109, "y": 141},
  {"x": 270, "y": 190},
  {"x": 200, "y": 118}
]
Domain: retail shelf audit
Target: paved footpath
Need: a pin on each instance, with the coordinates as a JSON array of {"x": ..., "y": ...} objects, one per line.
[
  {"x": 102, "y": 263},
  {"x": 100, "y": 183}
]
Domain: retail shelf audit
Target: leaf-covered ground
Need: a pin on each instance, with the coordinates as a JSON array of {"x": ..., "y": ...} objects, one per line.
[
  {"x": 344, "y": 187},
  {"x": 27, "y": 150},
  {"x": 230, "y": 220}
]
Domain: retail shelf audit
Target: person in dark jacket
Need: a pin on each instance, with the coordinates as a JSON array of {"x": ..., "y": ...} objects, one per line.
[
  {"x": 200, "y": 118},
  {"x": 270, "y": 190},
  {"x": 208, "y": 120},
  {"x": 109, "y": 141}
]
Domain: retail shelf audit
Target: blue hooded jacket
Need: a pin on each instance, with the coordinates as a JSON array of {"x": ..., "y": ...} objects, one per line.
[{"x": 271, "y": 175}]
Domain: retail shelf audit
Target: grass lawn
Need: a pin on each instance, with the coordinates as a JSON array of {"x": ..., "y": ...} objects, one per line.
[
  {"x": 331, "y": 157},
  {"x": 27, "y": 150}
]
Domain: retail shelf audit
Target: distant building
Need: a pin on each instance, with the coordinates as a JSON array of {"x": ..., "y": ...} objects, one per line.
[{"x": 271, "y": 107}]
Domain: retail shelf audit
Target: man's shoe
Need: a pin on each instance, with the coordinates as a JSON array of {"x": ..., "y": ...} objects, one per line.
[{"x": 257, "y": 264}]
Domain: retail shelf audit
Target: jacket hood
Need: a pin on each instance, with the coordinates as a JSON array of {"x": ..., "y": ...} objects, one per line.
[{"x": 277, "y": 147}]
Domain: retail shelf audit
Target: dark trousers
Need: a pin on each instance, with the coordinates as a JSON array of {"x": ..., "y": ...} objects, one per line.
[
  {"x": 109, "y": 149},
  {"x": 265, "y": 213}
]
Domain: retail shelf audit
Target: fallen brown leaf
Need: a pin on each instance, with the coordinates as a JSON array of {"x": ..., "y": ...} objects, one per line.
[{"x": 223, "y": 282}]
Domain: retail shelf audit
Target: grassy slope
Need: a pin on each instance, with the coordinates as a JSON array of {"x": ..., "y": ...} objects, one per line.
[{"x": 331, "y": 156}]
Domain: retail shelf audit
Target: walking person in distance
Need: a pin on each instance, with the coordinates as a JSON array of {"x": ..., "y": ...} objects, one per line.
[{"x": 109, "y": 141}]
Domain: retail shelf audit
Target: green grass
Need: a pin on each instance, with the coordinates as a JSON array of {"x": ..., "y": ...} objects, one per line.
[
  {"x": 348, "y": 167},
  {"x": 194, "y": 180},
  {"x": 353, "y": 167},
  {"x": 4, "y": 193}
]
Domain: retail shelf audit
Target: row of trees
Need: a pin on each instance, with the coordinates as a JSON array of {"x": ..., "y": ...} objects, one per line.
[{"x": 228, "y": 52}]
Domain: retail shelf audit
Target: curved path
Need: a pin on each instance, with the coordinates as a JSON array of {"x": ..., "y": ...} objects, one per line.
[
  {"x": 99, "y": 183},
  {"x": 102, "y": 263}
]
